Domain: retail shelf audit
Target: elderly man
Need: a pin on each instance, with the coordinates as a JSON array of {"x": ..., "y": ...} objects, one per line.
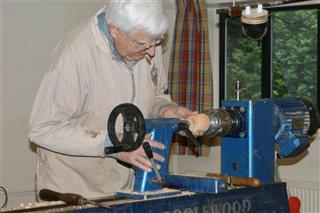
[{"x": 114, "y": 58}]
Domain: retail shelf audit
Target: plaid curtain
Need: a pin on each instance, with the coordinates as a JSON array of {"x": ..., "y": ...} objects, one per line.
[{"x": 190, "y": 76}]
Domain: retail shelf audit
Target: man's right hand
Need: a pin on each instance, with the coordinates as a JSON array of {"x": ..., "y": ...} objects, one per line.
[{"x": 138, "y": 158}]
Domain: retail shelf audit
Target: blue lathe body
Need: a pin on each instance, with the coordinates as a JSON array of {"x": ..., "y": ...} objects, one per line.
[
  {"x": 250, "y": 130},
  {"x": 254, "y": 128},
  {"x": 249, "y": 150}
]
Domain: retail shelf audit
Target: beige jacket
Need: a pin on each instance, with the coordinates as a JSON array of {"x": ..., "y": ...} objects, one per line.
[{"x": 71, "y": 110}]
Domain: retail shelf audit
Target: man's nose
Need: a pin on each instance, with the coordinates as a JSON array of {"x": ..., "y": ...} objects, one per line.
[{"x": 151, "y": 51}]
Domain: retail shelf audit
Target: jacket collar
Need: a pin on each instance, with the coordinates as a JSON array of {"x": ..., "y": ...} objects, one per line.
[{"x": 102, "y": 25}]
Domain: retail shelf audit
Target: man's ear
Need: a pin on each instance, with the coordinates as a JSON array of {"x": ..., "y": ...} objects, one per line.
[{"x": 113, "y": 30}]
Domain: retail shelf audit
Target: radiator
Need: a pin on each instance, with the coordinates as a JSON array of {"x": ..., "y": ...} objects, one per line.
[{"x": 307, "y": 192}]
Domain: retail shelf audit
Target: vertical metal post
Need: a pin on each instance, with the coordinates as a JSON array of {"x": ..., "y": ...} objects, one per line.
[
  {"x": 222, "y": 53},
  {"x": 266, "y": 62},
  {"x": 318, "y": 62}
]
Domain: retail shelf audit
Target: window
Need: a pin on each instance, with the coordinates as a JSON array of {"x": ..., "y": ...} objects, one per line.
[
  {"x": 284, "y": 64},
  {"x": 294, "y": 54},
  {"x": 243, "y": 63}
]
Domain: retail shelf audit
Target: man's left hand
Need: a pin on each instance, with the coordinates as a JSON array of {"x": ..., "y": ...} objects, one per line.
[{"x": 177, "y": 112}]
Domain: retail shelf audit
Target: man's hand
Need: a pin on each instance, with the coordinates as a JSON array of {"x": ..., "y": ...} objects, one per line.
[
  {"x": 176, "y": 112},
  {"x": 181, "y": 113},
  {"x": 138, "y": 158}
]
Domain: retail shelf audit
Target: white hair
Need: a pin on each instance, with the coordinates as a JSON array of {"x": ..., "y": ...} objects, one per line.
[{"x": 131, "y": 15}]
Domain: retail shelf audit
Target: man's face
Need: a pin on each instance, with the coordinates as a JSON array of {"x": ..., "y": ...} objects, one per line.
[{"x": 135, "y": 46}]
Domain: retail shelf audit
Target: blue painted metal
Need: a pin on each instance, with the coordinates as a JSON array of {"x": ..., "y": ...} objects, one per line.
[
  {"x": 250, "y": 154},
  {"x": 145, "y": 186},
  {"x": 249, "y": 151},
  {"x": 291, "y": 130},
  {"x": 148, "y": 194},
  {"x": 196, "y": 184},
  {"x": 161, "y": 130},
  {"x": 268, "y": 198}
]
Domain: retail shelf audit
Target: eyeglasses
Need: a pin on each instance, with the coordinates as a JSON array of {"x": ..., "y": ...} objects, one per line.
[{"x": 143, "y": 45}]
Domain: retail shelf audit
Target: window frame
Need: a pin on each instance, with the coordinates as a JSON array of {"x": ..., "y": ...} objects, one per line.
[{"x": 266, "y": 51}]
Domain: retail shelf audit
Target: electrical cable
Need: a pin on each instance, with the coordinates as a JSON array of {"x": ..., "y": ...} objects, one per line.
[
  {"x": 36, "y": 195},
  {"x": 277, "y": 176},
  {"x": 5, "y": 197}
]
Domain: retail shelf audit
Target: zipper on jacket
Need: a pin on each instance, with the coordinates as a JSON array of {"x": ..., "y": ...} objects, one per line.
[{"x": 133, "y": 84}]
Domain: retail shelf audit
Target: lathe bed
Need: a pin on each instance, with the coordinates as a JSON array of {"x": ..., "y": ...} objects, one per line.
[{"x": 266, "y": 198}]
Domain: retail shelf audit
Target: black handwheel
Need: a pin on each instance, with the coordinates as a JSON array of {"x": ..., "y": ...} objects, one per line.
[{"x": 133, "y": 128}]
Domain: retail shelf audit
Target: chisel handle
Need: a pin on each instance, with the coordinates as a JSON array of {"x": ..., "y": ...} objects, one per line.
[
  {"x": 237, "y": 181},
  {"x": 69, "y": 198}
]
